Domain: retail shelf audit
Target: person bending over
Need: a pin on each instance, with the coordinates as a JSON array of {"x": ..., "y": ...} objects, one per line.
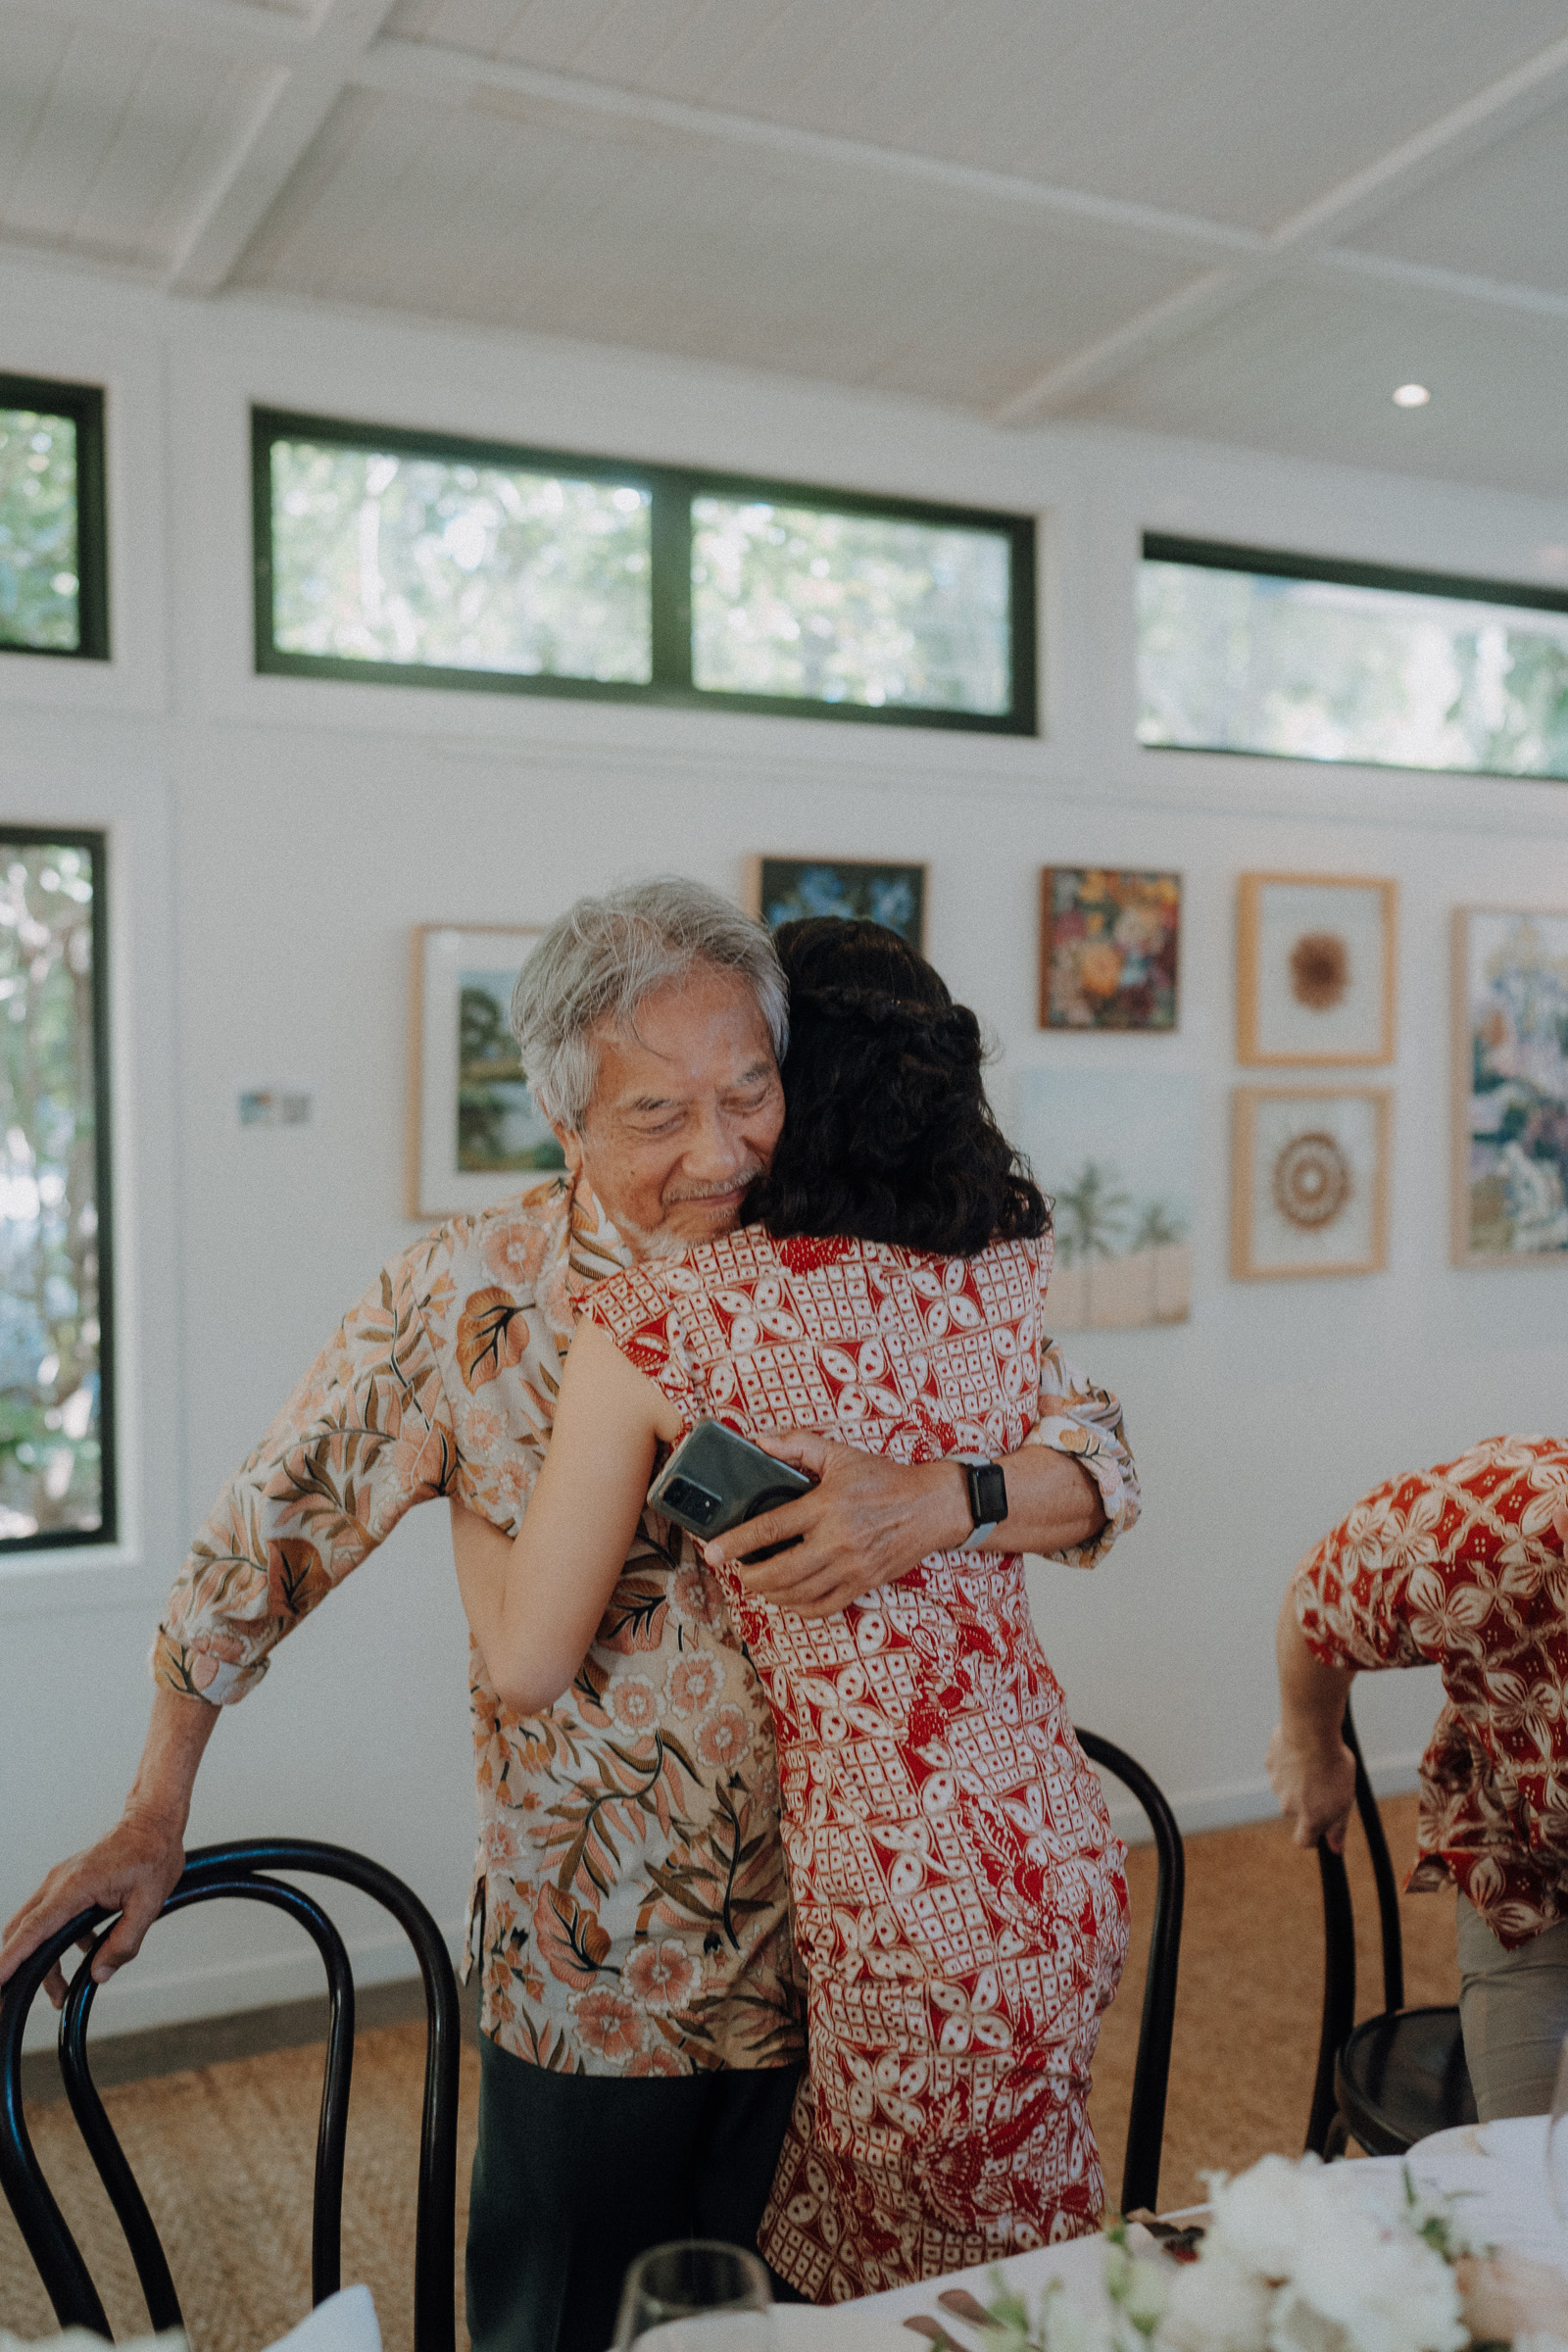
[
  {"x": 958, "y": 1898},
  {"x": 1462, "y": 1568}
]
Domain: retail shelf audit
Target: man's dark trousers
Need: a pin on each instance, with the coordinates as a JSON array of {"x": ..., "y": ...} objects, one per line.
[{"x": 575, "y": 2174}]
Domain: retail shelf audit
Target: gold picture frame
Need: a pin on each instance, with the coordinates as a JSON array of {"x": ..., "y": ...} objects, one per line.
[
  {"x": 1509, "y": 1194},
  {"x": 1309, "y": 1180},
  {"x": 475, "y": 1135},
  {"x": 1316, "y": 970}
]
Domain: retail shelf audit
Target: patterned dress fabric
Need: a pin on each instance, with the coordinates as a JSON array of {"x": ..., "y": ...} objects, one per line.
[
  {"x": 630, "y": 1903},
  {"x": 1460, "y": 1568},
  {"x": 960, "y": 1899}
]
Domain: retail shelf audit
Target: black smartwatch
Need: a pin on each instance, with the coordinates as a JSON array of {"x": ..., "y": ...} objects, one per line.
[{"x": 987, "y": 1497}]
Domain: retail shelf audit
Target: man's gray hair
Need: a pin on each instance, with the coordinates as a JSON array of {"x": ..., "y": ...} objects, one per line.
[{"x": 600, "y": 960}]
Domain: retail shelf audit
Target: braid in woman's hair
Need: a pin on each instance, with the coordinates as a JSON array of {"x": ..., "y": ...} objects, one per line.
[{"x": 888, "y": 1135}]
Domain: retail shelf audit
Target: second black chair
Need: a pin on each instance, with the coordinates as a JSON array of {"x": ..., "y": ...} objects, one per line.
[
  {"x": 241, "y": 1869},
  {"x": 1398, "y": 2076},
  {"x": 1146, "y": 2121}
]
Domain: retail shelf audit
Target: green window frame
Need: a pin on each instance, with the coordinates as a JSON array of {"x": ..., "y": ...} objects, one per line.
[
  {"x": 84, "y": 405},
  {"x": 672, "y": 492},
  {"x": 94, "y": 843},
  {"x": 1441, "y": 587}
]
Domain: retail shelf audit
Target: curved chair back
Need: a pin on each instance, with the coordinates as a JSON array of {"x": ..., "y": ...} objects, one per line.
[
  {"x": 1339, "y": 1943},
  {"x": 1398, "y": 2076},
  {"x": 1146, "y": 2121},
  {"x": 212, "y": 1871}
]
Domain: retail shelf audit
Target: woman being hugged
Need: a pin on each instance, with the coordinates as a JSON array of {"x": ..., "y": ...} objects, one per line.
[{"x": 960, "y": 1905}]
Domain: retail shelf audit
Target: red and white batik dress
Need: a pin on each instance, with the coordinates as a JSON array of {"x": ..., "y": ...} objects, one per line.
[{"x": 959, "y": 1900}]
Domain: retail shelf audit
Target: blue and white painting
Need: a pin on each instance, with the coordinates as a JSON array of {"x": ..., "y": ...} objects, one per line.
[
  {"x": 1512, "y": 970},
  {"x": 1116, "y": 1153},
  {"x": 795, "y": 888}
]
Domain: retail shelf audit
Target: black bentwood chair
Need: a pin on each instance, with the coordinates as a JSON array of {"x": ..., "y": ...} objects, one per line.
[
  {"x": 214, "y": 1870},
  {"x": 1394, "y": 2079},
  {"x": 1146, "y": 2121}
]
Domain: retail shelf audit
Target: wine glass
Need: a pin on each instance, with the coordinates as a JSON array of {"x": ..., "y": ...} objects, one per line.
[
  {"x": 696, "y": 2296},
  {"x": 1558, "y": 2141}
]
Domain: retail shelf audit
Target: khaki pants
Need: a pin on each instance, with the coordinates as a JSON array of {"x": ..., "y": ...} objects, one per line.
[{"x": 1513, "y": 2007}]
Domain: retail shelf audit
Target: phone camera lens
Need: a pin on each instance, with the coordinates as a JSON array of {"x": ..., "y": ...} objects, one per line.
[{"x": 690, "y": 1501}]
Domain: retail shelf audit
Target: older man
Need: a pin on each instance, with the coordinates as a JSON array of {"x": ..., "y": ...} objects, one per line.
[
  {"x": 641, "y": 2028},
  {"x": 1460, "y": 1567}
]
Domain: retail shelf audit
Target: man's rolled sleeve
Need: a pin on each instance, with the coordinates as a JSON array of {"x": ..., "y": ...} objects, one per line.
[
  {"x": 1078, "y": 1418},
  {"x": 1353, "y": 1592},
  {"x": 367, "y": 1433}
]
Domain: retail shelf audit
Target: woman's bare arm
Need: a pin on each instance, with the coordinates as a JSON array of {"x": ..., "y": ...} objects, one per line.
[{"x": 534, "y": 1602}]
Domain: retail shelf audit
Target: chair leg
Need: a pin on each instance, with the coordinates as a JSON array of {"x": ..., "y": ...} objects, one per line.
[{"x": 1337, "y": 2139}]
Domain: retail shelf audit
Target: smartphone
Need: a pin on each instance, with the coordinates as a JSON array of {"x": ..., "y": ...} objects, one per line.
[{"x": 714, "y": 1480}]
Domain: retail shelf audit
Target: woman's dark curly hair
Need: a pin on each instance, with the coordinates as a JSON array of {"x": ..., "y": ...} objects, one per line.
[{"x": 888, "y": 1136}]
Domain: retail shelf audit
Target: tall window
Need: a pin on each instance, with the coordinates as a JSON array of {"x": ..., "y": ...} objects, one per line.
[
  {"x": 53, "y": 560},
  {"x": 56, "y": 1481},
  {"x": 427, "y": 560},
  {"x": 1244, "y": 650}
]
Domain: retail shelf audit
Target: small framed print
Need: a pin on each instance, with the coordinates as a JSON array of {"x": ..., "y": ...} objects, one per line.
[
  {"x": 1315, "y": 969},
  {"x": 1510, "y": 1086},
  {"x": 476, "y": 1132},
  {"x": 1309, "y": 1180},
  {"x": 788, "y": 890},
  {"x": 1108, "y": 945}
]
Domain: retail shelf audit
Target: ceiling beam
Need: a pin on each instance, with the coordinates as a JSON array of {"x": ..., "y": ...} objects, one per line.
[
  {"x": 421, "y": 69},
  {"x": 1455, "y": 286},
  {"x": 290, "y": 109},
  {"x": 1309, "y": 235},
  {"x": 229, "y": 28}
]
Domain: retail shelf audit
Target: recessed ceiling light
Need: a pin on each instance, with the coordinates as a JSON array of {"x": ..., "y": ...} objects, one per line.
[{"x": 1412, "y": 396}]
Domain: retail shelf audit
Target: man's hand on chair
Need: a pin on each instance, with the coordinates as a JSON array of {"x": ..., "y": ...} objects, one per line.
[
  {"x": 133, "y": 1871},
  {"x": 1314, "y": 1780}
]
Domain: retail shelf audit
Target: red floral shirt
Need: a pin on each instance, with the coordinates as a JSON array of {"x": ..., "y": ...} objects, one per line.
[{"x": 1462, "y": 1568}]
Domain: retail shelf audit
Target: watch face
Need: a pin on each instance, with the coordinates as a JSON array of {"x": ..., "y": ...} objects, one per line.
[{"x": 988, "y": 1488}]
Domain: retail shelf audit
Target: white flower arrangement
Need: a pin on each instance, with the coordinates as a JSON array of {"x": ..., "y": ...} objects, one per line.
[{"x": 1294, "y": 2258}]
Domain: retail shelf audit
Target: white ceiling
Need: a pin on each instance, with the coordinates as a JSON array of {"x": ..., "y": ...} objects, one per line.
[{"x": 1218, "y": 218}]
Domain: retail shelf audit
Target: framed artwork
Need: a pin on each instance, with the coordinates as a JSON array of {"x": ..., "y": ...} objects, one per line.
[
  {"x": 1109, "y": 943},
  {"x": 1315, "y": 969},
  {"x": 1117, "y": 1151},
  {"x": 786, "y": 890},
  {"x": 476, "y": 1132},
  {"x": 1510, "y": 1086},
  {"x": 1309, "y": 1180}
]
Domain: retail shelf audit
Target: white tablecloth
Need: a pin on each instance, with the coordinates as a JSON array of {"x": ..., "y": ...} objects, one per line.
[
  {"x": 874, "y": 2324},
  {"x": 1498, "y": 2169}
]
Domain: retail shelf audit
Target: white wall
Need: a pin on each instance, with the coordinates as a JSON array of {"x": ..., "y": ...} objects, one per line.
[{"x": 275, "y": 839}]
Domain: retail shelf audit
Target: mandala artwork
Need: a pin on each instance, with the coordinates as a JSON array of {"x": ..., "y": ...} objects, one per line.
[{"x": 1311, "y": 1181}]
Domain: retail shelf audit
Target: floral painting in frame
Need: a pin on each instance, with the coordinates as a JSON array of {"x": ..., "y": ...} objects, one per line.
[
  {"x": 790, "y": 890},
  {"x": 1309, "y": 1180},
  {"x": 1108, "y": 946},
  {"x": 1116, "y": 1153},
  {"x": 1510, "y": 1086},
  {"x": 1314, "y": 970},
  {"x": 477, "y": 1135}
]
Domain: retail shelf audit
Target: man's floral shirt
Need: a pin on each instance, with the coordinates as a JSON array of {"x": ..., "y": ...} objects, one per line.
[
  {"x": 630, "y": 1903},
  {"x": 1462, "y": 1568}
]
